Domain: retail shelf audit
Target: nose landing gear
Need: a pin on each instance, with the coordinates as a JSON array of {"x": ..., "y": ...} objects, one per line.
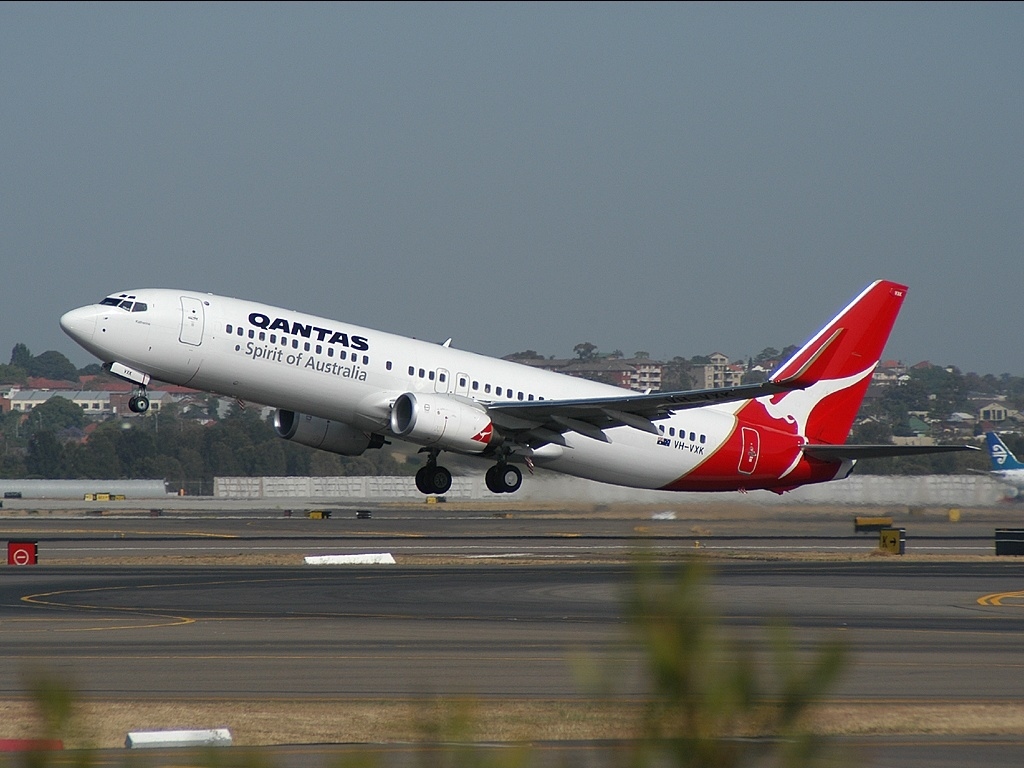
[{"x": 138, "y": 402}]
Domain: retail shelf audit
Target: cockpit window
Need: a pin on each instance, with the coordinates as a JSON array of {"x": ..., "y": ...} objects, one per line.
[{"x": 125, "y": 302}]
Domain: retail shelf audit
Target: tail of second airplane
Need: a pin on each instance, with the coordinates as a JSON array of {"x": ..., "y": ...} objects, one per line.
[
  {"x": 833, "y": 369},
  {"x": 1001, "y": 456}
]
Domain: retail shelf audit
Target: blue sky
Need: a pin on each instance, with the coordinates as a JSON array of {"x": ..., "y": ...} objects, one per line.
[{"x": 679, "y": 179}]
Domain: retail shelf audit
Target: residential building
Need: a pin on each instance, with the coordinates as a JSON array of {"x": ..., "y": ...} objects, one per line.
[{"x": 719, "y": 373}]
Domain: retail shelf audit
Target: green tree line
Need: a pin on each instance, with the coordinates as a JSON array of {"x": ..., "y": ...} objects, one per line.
[{"x": 186, "y": 453}]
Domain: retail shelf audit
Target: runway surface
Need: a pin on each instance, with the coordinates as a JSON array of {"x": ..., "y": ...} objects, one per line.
[
  {"x": 937, "y": 635},
  {"x": 928, "y": 632},
  {"x": 201, "y": 529}
]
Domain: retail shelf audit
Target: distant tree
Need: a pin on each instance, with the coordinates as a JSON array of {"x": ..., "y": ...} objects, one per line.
[
  {"x": 894, "y": 406},
  {"x": 871, "y": 433},
  {"x": 641, "y": 355},
  {"x": 100, "y": 455},
  {"x": 947, "y": 390},
  {"x": 12, "y": 374},
  {"x": 585, "y": 350},
  {"x": 766, "y": 355},
  {"x": 44, "y": 457},
  {"x": 526, "y": 354},
  {"x": 676, "y": 375},
  {"x": 21, "y": 357},
  {"x": 49, "y": 365},
  {"x": 53, "y": 365},
  {"x": 136, "y": 450},
  {"x": 754, "y": 377},
  {"x": 12, "y": 465},
  {"x": 55, "y": 414}
]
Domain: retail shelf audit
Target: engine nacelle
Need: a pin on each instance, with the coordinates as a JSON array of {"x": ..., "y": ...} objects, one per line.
[
  {"x": 438, "y": 420},
  {"x": 324, "y": 434}
]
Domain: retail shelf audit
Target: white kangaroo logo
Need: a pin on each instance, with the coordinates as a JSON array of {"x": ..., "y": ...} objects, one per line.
[{"x": 796, "y": 407}]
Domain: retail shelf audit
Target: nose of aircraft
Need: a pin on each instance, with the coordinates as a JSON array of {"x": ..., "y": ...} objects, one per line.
[{"x": 79, "y": 324}]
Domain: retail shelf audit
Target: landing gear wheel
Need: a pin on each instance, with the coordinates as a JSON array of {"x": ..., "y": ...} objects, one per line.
[
  {"x": 511, "y": 478},
  {"x": 138, "y": 403},
  {"x": 503, "y": 478},
  {"x": 491, "y": 479},
  {"x": 433, "y": 479}
]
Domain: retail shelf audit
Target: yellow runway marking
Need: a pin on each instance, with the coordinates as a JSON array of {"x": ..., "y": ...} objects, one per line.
[
  {"x": 164, "y": 620},
  {"x": 997, "y": 599}
]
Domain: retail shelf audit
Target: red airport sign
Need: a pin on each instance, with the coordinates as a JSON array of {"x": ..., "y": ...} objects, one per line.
[{"x": 22, "y": 553}]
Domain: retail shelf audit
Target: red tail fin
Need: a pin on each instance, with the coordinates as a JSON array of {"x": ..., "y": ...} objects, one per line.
[{"x": 835, "y": 366}]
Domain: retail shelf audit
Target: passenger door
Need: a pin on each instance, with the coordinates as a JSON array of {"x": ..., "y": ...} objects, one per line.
[{"x": 192, "y": 321}]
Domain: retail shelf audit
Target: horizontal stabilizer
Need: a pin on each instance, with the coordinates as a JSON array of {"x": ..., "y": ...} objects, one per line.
[{"x": 843, "y": 452}]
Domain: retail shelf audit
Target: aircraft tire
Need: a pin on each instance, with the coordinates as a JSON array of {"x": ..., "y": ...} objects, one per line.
[
  {"x": 491, "y": 480},
  {"x": 440, "y": 480},
  {"x": 421, "y": 481},
  {"x": 433, "y": 479},
  {"x": 503, "y": 478},
  {"x": 510, "y": 478}
]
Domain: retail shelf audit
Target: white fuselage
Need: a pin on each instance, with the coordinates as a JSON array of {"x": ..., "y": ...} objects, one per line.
[
  {"x": 1014, "y": 477},
  {"x": 345, "y": 373}
]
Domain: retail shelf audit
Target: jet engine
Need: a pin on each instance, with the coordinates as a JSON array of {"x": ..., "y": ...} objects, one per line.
[
  {"x": 327, "y": 435},
  {"x": 438, "y": 420}
]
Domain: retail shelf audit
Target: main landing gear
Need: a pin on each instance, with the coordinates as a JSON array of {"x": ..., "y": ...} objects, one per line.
[
  {"x": 501, "y": 478},
  {"x": 139, "y": 402},
  {"x": 433, "y": 479}
]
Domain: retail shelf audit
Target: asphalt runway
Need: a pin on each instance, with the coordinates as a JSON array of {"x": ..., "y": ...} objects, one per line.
[
  {"x": 926, "y": 633},
  {"x": 918, "y": 631},
  {"x": 422, "y": 533}
]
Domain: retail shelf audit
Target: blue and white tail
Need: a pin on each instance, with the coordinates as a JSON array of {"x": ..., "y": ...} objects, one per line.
[{"x": 1002, "y": 457}]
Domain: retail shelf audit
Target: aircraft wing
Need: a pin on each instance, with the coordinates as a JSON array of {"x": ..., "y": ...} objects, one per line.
[
  {"x": 543, "y": 421},
  {"x": 841, "y": 452}
]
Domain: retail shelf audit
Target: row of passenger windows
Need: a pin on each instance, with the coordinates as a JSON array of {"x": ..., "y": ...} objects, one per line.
[
  {"x": 422, "y": 373},
  {"x": 474, "y": 386},
  {"x": 694, "y": 437},
  {"x": 306, "y": 346}
]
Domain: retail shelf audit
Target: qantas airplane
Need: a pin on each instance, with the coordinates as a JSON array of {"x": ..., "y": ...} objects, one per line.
[{"x": 346, "y": 389}]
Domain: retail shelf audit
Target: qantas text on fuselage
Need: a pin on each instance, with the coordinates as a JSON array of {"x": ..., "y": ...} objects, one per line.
[{"x": 346, "y": 389}]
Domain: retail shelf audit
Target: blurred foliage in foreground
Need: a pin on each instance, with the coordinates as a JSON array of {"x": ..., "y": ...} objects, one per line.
[{"x": 717, "y": 701}]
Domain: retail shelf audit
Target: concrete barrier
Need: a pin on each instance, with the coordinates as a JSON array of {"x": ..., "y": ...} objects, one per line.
[
  {"x": 857, "y": 490},
  {"x": 212, "y": 737},
  {"x": 380, "y": 558}
]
